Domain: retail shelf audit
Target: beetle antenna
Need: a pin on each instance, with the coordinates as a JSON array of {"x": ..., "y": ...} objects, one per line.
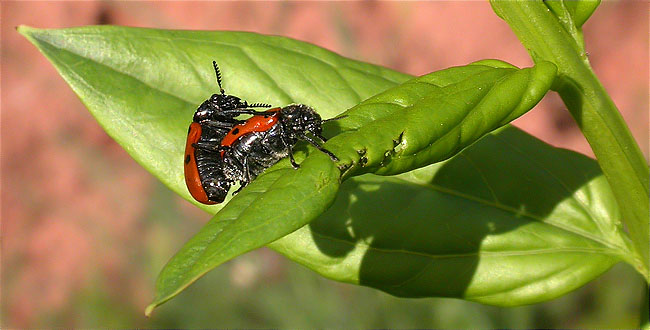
[
  {"x": 259, "y": 105},
  {"x": 335, "y": 118},
  {"x": 216, "y": 70}
]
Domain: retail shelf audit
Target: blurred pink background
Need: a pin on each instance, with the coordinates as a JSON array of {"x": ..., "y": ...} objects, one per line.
[{"x": 73, "y": 202}]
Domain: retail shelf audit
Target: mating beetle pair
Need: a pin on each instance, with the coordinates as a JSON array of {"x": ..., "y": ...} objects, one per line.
[{"x": 221, "y": 149}]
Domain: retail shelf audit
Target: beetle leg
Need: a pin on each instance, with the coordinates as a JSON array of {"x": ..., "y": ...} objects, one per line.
[
  {"x": 319, "y": 147},
  {"x": 247, "y": 176},
  {"x": 293, "y": 161},
  {"x": 240, "y": 188},
  {"x": 321, "y": 138},
  {"x": 213, "y": 147},
  {"x": 220, "y": 124},
  {"x": 286, "y": 145},
  {"x": 247, "y": 170}
]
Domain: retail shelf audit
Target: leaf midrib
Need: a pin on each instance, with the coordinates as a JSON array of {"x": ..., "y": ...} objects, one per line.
[{"x": 478, "y": 253}]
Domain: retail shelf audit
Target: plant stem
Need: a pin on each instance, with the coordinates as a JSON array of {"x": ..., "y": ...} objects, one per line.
[{"x": 601, "y": 123}]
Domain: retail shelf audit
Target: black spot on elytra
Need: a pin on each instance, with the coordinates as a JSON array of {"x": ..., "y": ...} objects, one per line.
[
  {"x": 235, "y": 131},
  {"x": 187, "y": 159}
]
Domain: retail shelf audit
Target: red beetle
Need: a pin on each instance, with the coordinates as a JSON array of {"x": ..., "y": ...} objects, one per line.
[
  {"x": 260, "y": 142},
  {"x": 212, "y": 121}
]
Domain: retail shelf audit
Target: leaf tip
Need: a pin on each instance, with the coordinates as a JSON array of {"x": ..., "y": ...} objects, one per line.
[
  {"x": 23, "y": 29},
  {"x": 27, "y": 32},
  {"x": 149, "y": 309}
]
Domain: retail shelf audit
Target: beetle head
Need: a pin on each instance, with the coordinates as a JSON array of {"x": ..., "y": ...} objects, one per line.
[
  {"x": 213, "y": 107},
  {"x": 299, "y": 119}
]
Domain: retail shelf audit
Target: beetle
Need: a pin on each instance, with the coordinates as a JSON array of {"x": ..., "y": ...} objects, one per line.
[
  {"x": 211, "y": 122},
  {"x": 261, "y": 141}
]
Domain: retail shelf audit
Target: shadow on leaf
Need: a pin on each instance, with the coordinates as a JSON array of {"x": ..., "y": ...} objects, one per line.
[{"x": 470, "y": 226}]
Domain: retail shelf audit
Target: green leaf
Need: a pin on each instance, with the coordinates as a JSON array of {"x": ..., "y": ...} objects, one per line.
[
  {"x": 578, "y": 11},
  {"x": 431, "y": 118},
  {"x": 274, "y": 205},
  {"x": 467, "y": 102},
  {"x": 508, "y": 221},
  {"x": 572, "y": 15},
  {"x": 544, "y": 34},
  {"x": 143, "y": 86}
]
